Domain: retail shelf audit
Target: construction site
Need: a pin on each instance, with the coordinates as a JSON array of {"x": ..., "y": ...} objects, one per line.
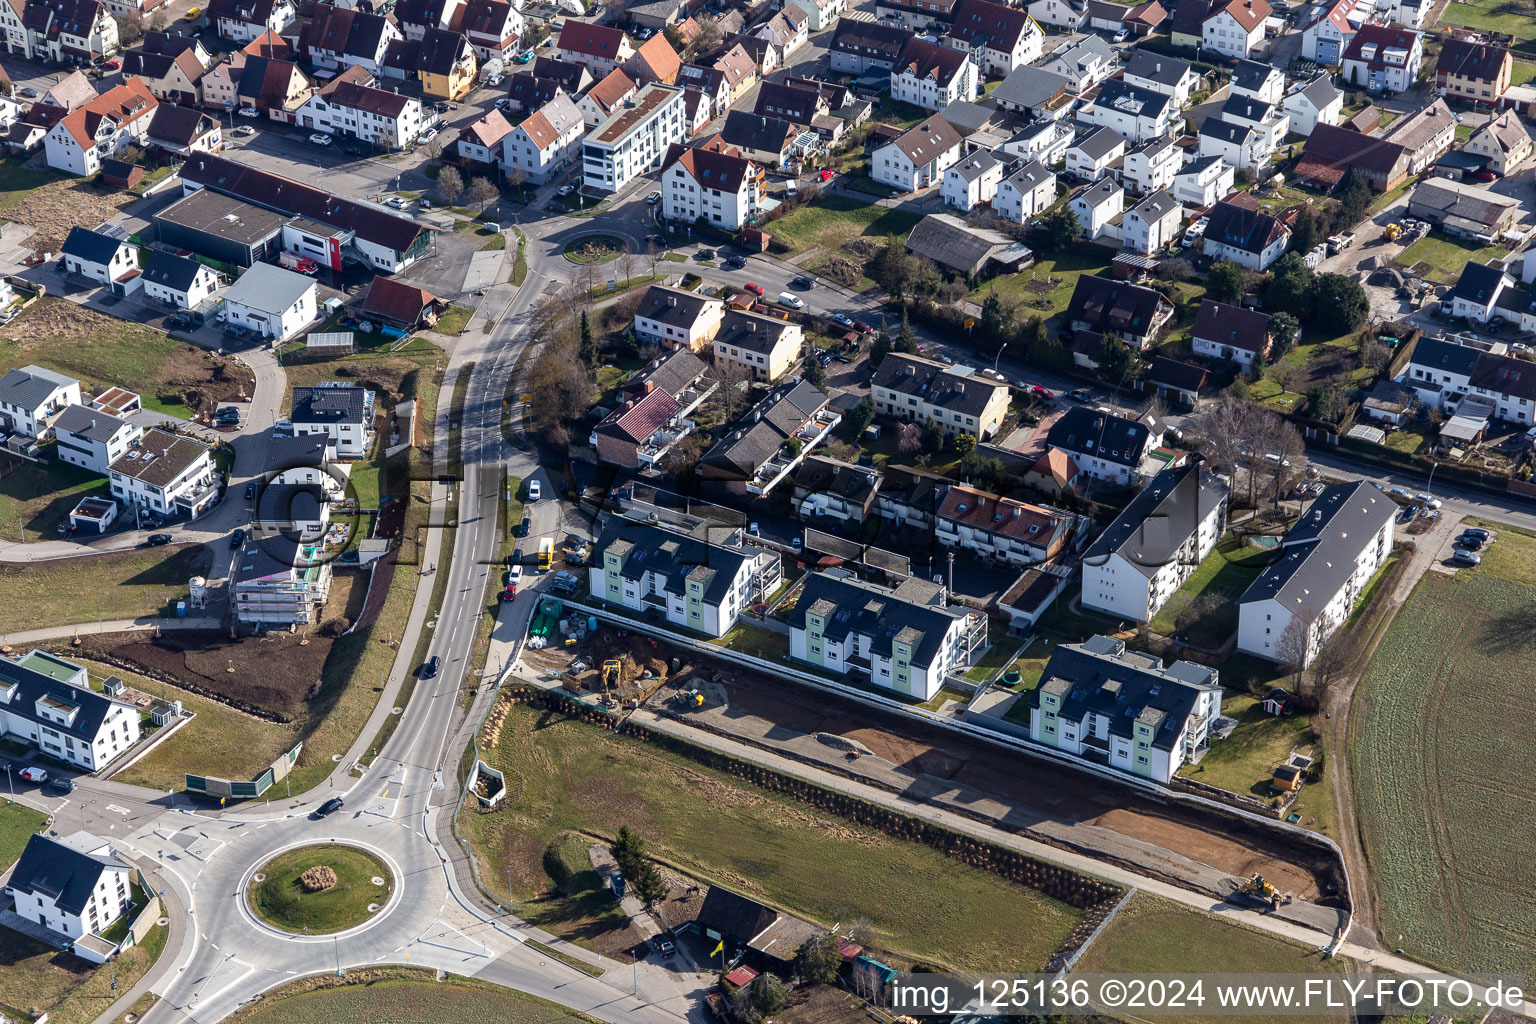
[{"x": 1199, "y": 848}]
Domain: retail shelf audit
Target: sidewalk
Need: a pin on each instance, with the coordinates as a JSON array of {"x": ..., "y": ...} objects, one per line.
[
  {"x": 35, "y": 636},
  {"x": 172, "y": 908}
]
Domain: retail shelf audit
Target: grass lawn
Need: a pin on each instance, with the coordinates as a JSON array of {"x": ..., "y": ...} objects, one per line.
[
  {"x": 1522, "y": 73},
  {"x": 869, "y": 186},
  {"x": 1492, "y": 16},
  {"x": 1051, "y": 280},
  {"x": 993, "y": 660},
  {"x": 520, "y": 265},
  {"x": 594, "y": 249},
  {"x": 453, "y": 321},
  {"x": 35, "y": 500},
  {"x": 576, "y": 776},
  {"x": 404, "y": 1000},
  {"x": 946, "y": 695},
  {"x": 35, "y": 976},
  {"x": 17, "y": 823},
  {"x": 756, "y": 641},
  {"x": 1154, "y": 936},
  {"x": 1244, "y": 762},
  {"x": 283, "y": 901},
  {"x": 121, "y": 585},
  {"x": 833, "y": 218},
  {"x": 1412, "y": 439},
  {"x": 1439, "y": 762},
  {"x": 1443, "y": 257},
  {"x": 1226, "y": 573}
]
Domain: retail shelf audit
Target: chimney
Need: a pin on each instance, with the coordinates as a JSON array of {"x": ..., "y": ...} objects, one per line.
[
  {"x": 1017, "y": 511},
  {"x": 672, "y": 301},
  {"x": 1159, "y": 67}
]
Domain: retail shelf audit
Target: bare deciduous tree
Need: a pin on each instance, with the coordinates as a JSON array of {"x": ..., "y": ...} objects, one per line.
[
  {"x": 909, "y": 439},
  {"x": 629, "y": 262},
  {"x": 731, "y": 395},
  {"x": 1294, "y": 647},
  {"x": 653, "y": 254},
  {"x": 450, "y": 185},
  {"x": 482, "y": 192},
  {"x": 432, "y": 149}
]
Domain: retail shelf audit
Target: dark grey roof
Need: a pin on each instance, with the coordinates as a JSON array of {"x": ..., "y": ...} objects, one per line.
[
  {"x": 32, "y": 685},
  {"x": 869, "y": 39},
  {"x": 181, "y": 126},
  {"x": 1029, "y": 86},
  {"x": 861, "y": 609},
  {"x": 762, "y": 432},
  {"x": 1121, "y": 95},
  {"x": 678, "y": 557},
  {"x": 89, "y": 423},
  {"x": 1172, "y": 373},
  {"x": 1222, "y": 130},
  {"x": 752, "y": 331},
  {"x": 222, "y": 215},
  {"x": 59, "y": 872},
  {"x": 1030, "y": 176},
  {"x": 933, "y": 383},
  {"x": 175, "y": 272},
  {"x": 1160, "y": 519},
  {"x": 1156, "y": 206},
  {"x": 1100, "y": 192},
  {"x": 673, "y": 306},
  {"x": 1197, "y": 165},
  {"x": 273, "y": 554},
  {"x": 1099, "y": 143},
  {"x": 670, "y": 373},
  {"x": 1105, "y": 436},
  {"x": 734, "y": 916},
  {"x": 1320, "y": 552},
  {"x": 1099, "y": 677},
  {"x": 975, "y": 165},
  {"x": 755, "y": 131},
  {"x": 913, "y": 488},
  {"x": 1222, "y": 324},
  {"x": 160, "y": 458},
  {"x": 295, "y": 451},
  {"x": 821, "y": 475},
  {"x": 91, "y": 246},
  {"x": 329, "y": 405},
  {"x": 281, "y": 505},
  {"x": 1103, "y": 303},
  {"x": 1246, "y": 108},
  {"x": 1504, "y": 375},
  {"x": 1155, "y": 67},
  {"x": 31, "y": 386},
  {"x": 1250, "y": 74},
  {"x": 969, "y": 117},
  {"x": 1320, "y": 91},
  {"x": 1445, "y": 356},
  {"x": 1477, "y": 283}
]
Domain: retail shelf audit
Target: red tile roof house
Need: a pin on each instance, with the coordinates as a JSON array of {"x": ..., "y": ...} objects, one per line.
[
  {"x": 117, "y": 118},
  {"x": 599, "y": 47},
  {"x": 401, "y": 305},
  {"x": 637, "y": 433}
]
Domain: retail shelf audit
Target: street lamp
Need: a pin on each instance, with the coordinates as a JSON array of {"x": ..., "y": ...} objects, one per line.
[{"x": 999, "y": 355}]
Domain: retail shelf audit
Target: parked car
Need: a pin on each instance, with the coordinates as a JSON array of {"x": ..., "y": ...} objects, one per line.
[
  {"x": 791, "y": 300},
  {"x": 1485, "y": 175},
  {"x": 429, "y": 667},
  {"x": 112, "y": 65},
  {"x": 1479, "y": 534},
  {"x": 62, "y": 785},
  {"x": 664, "y": 945},
  {"x": 237, "y": 538},
  {"x": 1464, "y": 557},
  {"x": 653, "y": 198},
  {"x": 1470, "y": 543},
  {"x": 249, "y": 112},
  {"x": 1041, "y": 392},
  {"x": 755, "y": 289},
  {"x": 803, "y": 282},
  {"x": 331, "y": 806},
  {"x": 533, "y": 490},
  {"x": 495, "y": 80},
  {"x": 523, "y": 527},
  {"x": 396, "y": 202},
  {"x": 244, "y": 129},
  {"x": 736, "y": 262},
  {"x": 193, "y": 13},
  {"x": 29, "y": 93},
  {"x": 704, "y": 254},
  {"x": 1407, "y": 514},
  {"x": 566, "y": 582},
  {"x": 862, "y": 327},
  {"x": 33, "y": 775},
  {"x": 156, "y": 540},
  {"x": 826, "y": 175},
  {"x": 320, "y": 139},
  {"x": 1426, "y": 500},
  {"x": 840, "y": 319},
  {"x": 514, "y": 573}
]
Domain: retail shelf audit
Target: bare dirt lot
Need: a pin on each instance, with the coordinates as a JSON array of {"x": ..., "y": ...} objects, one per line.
[{"x": 56, "y": 207}]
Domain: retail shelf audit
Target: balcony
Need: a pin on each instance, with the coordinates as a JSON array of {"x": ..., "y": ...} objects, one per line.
[
  {"x": 658, "y": 444},
  {"x": 772, "y": 472}
]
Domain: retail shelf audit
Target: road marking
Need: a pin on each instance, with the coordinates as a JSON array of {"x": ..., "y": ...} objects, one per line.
[{"x": 118, "y": 810}]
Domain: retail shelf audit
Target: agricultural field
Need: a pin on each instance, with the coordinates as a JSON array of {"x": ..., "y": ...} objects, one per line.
[
  {"x": 1153, "y": 936},
  {"x": 403, "y": 1000},
  {"x": 580, "y": 779},
  {"x": 120, "y": 585},
  {"x": 1441, "y": 753},
  {"x": 173, "y": 377}
]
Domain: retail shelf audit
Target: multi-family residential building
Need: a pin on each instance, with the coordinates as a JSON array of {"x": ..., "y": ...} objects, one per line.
[
  {"x": 916, "y": 15},
  {"x": 493, "y": 27},
  {"x": 918, "y": 157},
  {"x": 1137, "y": 114},
  {"x": 676, "y": 318},
  {"x": 275, "y": 88},
  {"x": 652, "y": 410},
  {"x": 1143, "y": 557},
  {"x": 1034, "y": 93},
  {"x": 242, "y": 21},
  {"x": 1203, "y": 181},
  {"x": 786, "y": 31},
  {"x": 1098, "y": 208},
  {"x": 543, "y": 142},
  {"x": 1092, "y": 155},
  {"x": 92, "y": 438},
  {"x": 701, "y": 581},
  {"x": 756, "y": 452},
  {"x": 823, "y": 14},
  {"x": 1106, "y": 704},
  {"x": 1003, "y": 38},
  {"x": 634, "y": 139},
  {"x": 74, "y": 887},
  {"x": 1105, "y": 446},
  {"x": 1236, "y": 28},
  {"x": 279, "y": 580},
  {"x": 601, "y": 48},
  {"x": 342, "y": 412},
  {"x": 1003, "y": 529},
  {"x": 1503, "y": 140},
  {"x": 766, "y": 141},
  {"x": 172, "y": 66},
  {"x": 1151, "y": 166},
  {"x": 47, "y": 700},
  {"x": 1382, "y": 58},
  {"x": 177, "y": 131},
  {"x": 441, "y": 60},
  {"x": 1267, "y": 117},
  {"x": 1155, "y": 72},
  {"x": 1223, "y": 331},
  {"x": 383, "y": 117},
  {"x": 1314, "y": 102},
  {"x": 858, "y": 46},
  {"x": 340, "y": 37},
  {"x": 479, "y": 142},
  {"x": 717, "y": 188},
  {"x": 31, "y": 399},
  {"x": 86, "y": 136},
  {"x": 1084, "y": 64},
  {"x": 177, "y": 281},
  {"x": 270, "y": 301},
  {"x": 1025, "y": 193},
  {"x": 932, "y": 76},
  {"x": 1331, "y": 28},
  {"x": 791, "y": 103},
  {"x": 654, "y": 61},
  {"x": 1250, "y": 238},
  {"x": 972, "y": 181},
  {"x": 58, "y": 30},
  {"x": 1117, "y": 309},
  {"x": 1151, "y": 224},
  {"x": 165, "y": 473},
  {"x": 905, "y": 639},
  {"x": 607, "y": 97},
  {"x": 1320, "y": 570},
  {"x": 909, "y": 496},
  {"x": 1187, "y": 26},
  {"x": 908, "y": 387},
  {"x": 1046, "y": 141},
  {"x": 1444, "y": 373},
  {"x": 760, "y": 348},
  {"x": 1477, "y": 72},
  {"x": 416, "y": 17},
  {"x": 837, "y": 489},
  {"x": 1425, "y": 135},
  {"x": 1071, "y": 15}
]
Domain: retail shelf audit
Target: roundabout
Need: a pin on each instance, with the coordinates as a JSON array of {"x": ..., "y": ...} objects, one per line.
[
  {"x": 320, "y": 889},
  {"x": 591, "y": 249}
]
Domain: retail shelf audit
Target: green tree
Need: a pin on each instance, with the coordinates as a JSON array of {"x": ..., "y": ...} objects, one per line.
[
  {"x": 769, "y": 996},
  {"x": 588, "y": 343},
  {"x": 1291, "y": 287},
  {"x": 933, "y": 438},
  {"x": 996, "y": 318},
  {"x": 1354, "y": 198},
  {"x": 648, "y": 885},
  {"x": 1347, "y": 305},
  {"x": 965, "y": 444},
  {"x": 878, "y": 350},
  {"x": 1116, "y": 360},
  {"x": 814, "y": 374},
  {"x": 894, "y": 267},
  {"x": 818, "y": 960},
  {"x": 794, "y": 446},
  {"x": 857, "y": 421},
  {"x": 628, "y": 851},
  {"x": 906, "y": 341},
  {"x": 1282, "y": 334},
  {"x": 1060, "y": 227},
  {"x": 1304, "y": 233},
  {"x": 1224, "y": 280}
]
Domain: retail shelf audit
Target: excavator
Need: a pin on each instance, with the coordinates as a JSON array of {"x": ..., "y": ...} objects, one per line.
[
  {"x": 1257, "y": 893},
  {"x": 610, "y": 677}
]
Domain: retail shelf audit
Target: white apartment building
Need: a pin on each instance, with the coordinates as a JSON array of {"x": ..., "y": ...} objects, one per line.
[
  {"x": 93, "y": 439},
  {"x": 74, "y": 887},
  {"x": 1025, "y": 193},
  {"x": 1136, "y": 114},
  {"x": 973, "y": 181},
  {"x": 1203, "y": 181},
  {"x": 908, "y": 387},
  {"x": 273, "y": 302},
  {"x": 379, "y": 116},
  {"x": 1151, "y": 166},
  {"x": 544, "y": 142},
  {"x": 634, "y": 138},
  {"x": 931, "y": 76},
  {"x": 47, "y": 700},
  {"x": 1146, "y": 554},
  {"x": 1236, "y": 28},
  {"x": 918, "y": 157},
  {"x": 716, "y": 188},
  {"x": 165, "y": 473},
  {"x": 32, "y": 397},
  {"x": 343, "y": 412},
  {"x": 1152, "y": 223},
  {"x": 1321, "y": 569}
]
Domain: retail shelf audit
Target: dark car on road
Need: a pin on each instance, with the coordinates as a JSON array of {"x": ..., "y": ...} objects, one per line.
[
  {"x": 802, "y": 282},
  {"x": 736, "y": 262},
  {"x": 331, "y": 806},
  {"x": 705, "y": 254},
  {"x": 523, "y": 527},
  {"x": 62, "y": 785},
  {"x": 156, "y": 540},
  {"x": 1080, "y": 395},
  {"x": 237, "y": 538},
  {"x": 429, "y": 667}
]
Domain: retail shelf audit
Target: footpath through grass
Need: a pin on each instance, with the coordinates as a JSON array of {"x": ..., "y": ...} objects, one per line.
[{"x": 576, "y": 777}]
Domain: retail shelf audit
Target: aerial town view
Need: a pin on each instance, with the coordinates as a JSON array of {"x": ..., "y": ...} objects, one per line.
[{"x": 798, "y": 511}]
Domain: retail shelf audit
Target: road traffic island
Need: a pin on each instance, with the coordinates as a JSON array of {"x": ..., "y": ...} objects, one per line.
[
  {"x": 594, "y": 249},
  {"x": 317, "y": 890}
]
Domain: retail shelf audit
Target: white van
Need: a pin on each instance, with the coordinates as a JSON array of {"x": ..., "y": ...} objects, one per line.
[{"x": 791, "y": 300}]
